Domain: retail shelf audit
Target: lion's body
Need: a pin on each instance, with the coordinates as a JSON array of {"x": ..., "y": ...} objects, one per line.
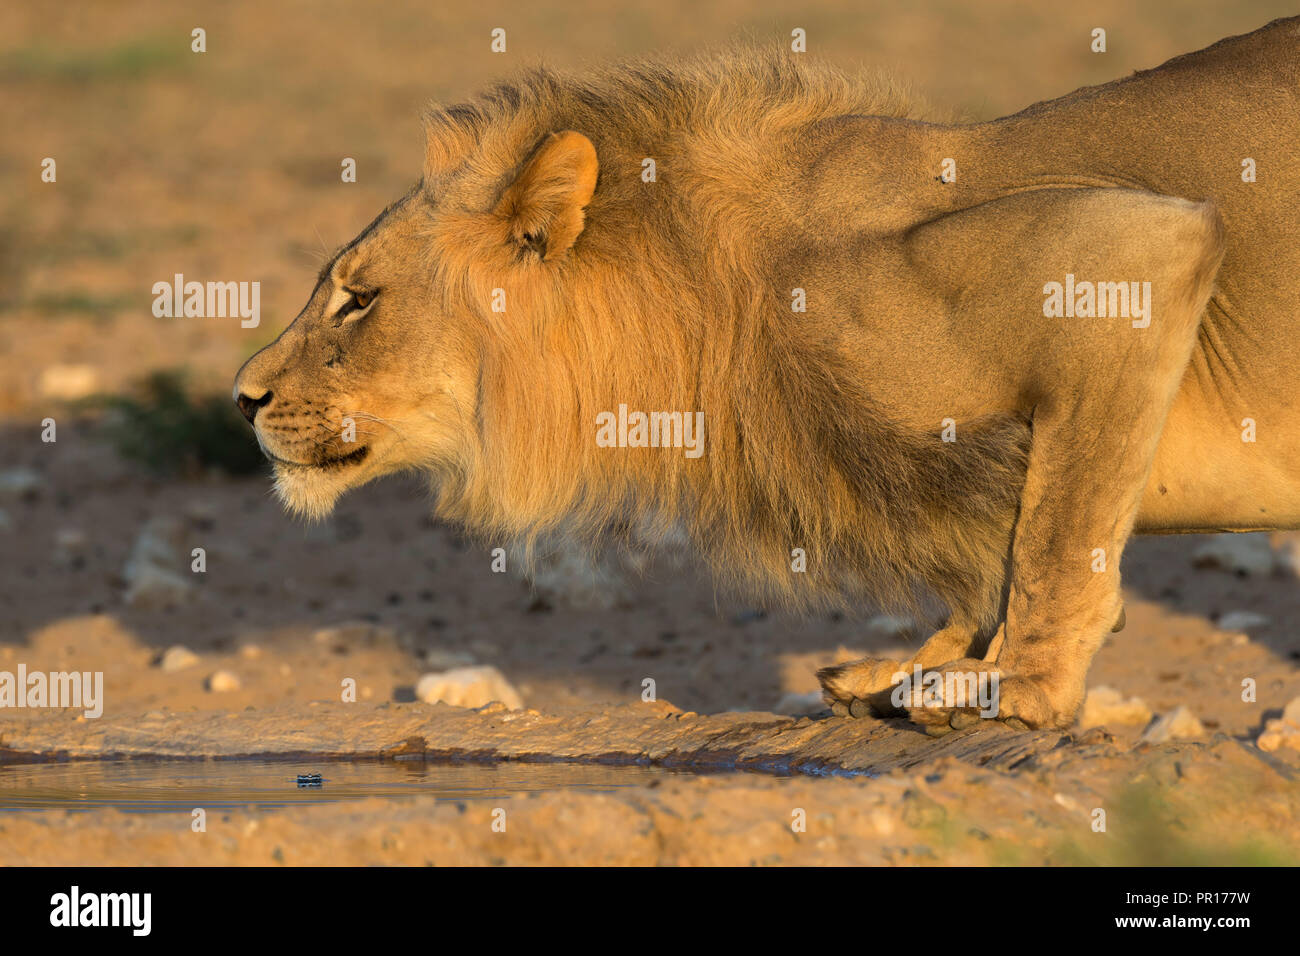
[{"x": 520, "y": 297}]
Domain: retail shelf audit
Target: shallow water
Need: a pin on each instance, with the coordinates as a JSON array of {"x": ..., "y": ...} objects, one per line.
[{"x": 144, "y": 786}]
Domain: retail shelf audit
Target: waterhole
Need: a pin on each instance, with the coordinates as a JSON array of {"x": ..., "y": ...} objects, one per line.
[{"x": 145, "y": 786}]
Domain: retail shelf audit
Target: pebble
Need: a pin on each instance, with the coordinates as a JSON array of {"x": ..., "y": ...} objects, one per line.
[
  {"x": 1245, "y": 554},
  {"x": 572, "y": 576},
  {"x": 152, "y": 587},
  {"x": 69, "y": 546},
  {"x": 1179, "y": 724},
  {"x": 178, "y": 658},
  {"x": 157, "y": 574},
  {"x": 468, "y": 687},
  {"x": 222, "y": 682},
  {"x": 354, "y": 633},
  {"x": 439, "y": 659},
  {"x": 1106, "y": 705},
  {"x": 20, "y": 482},
  {"x": 1242, "y": 621},
  {"x": 1282, "y": 731}
]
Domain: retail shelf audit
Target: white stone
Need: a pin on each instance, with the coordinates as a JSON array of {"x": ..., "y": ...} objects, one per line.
[
  {"x": 1241, "y": 621},
  {"x": 178, "y": 658},
  {"x": 69, "y": 545},
  {"x": 1179, "y": 724},
  {"x": 354, "y": 633},
  {"x": 222, "y": 682},
  {"x": 443, "y": 660},
  {"x": 158, "y": 572},
  {"x": 468, "y": 687},
  {"x": 1282, "y": 731},
  {"x": 1107, "y": 706},
  {"x": 1250, "y": 554},
  {"x": 573, "y": 576},
  {"x": 20, "y": 481},
  {"x": 152, "y": 587}
]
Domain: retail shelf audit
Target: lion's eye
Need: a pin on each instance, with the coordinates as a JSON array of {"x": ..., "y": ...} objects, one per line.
[{"x": 358, "y": 301}]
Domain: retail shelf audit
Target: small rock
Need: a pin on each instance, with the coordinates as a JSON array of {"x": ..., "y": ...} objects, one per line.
[
  {"x": 796, "y": 704},
  {"x": 443, "y": 660},
  {"x": 69, "y": 547},
  {"x": 567, "y": 574},
  {"x": 1179, "y": 724},
  {"x": 151, "y": 587},
  {"x": 1282, "y": 731},
  {"x": 468, "y": 687},
  {"x": 1244, "y": 554},
  {"x": 178, "y": 658},
  {"x": 20, "y": 482},
  {"x": 156, "y": 572},
  {"x": 250, "y": 652},
  {"x": 353, "y": 634},
  {"x": 1106, "y": 705},
  {"x": 1241, "y": 621},
  {"x": 201, "y": 511},
  {"x": 223, "y": 682},
  {"x": 70, "y": 539}
]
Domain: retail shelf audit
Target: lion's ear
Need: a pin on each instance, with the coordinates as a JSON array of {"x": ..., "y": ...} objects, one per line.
[{"x": 544, "y": 205}]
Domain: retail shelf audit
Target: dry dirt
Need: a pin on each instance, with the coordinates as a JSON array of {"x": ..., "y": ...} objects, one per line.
[{"x": 225, "y": 166}]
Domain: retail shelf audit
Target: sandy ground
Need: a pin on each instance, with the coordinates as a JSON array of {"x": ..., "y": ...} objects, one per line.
[
  {"x": 225, "y": 166},
  {"x": 379, "y": 596}
]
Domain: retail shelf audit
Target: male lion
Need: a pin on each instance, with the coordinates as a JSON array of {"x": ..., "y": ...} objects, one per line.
[{"x": 971, "y": 387}]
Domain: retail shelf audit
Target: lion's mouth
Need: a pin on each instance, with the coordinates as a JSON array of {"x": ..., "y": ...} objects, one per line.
[{"x": 341, "y": 461}]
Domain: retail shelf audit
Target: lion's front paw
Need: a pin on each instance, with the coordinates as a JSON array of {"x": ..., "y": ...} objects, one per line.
[
  {"x": 961, "y": 693},
  {"x": 861, "y": 688},
  {"x": 865, "y": 688}
]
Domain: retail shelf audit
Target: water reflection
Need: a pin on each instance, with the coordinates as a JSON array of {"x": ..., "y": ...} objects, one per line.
[{"x": 169, "y": 785}]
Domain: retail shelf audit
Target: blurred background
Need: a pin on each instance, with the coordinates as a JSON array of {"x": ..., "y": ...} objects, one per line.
[{"x": 225, "y": 165}]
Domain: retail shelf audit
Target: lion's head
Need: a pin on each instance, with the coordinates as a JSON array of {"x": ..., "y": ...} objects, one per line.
[{"x": 382, "y": 370}]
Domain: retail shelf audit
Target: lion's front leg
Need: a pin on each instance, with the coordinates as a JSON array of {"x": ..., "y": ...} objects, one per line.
[{"x": 1100, "y": 386}]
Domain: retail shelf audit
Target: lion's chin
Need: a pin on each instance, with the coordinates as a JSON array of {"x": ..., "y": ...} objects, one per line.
[{"x": 312, "y": 492}]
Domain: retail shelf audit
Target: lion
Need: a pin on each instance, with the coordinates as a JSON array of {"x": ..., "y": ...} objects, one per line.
[{"x": 943, "y": 365}]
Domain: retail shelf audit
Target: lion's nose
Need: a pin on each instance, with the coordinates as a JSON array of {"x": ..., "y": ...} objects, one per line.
[{"x": 249, "y": 406}]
